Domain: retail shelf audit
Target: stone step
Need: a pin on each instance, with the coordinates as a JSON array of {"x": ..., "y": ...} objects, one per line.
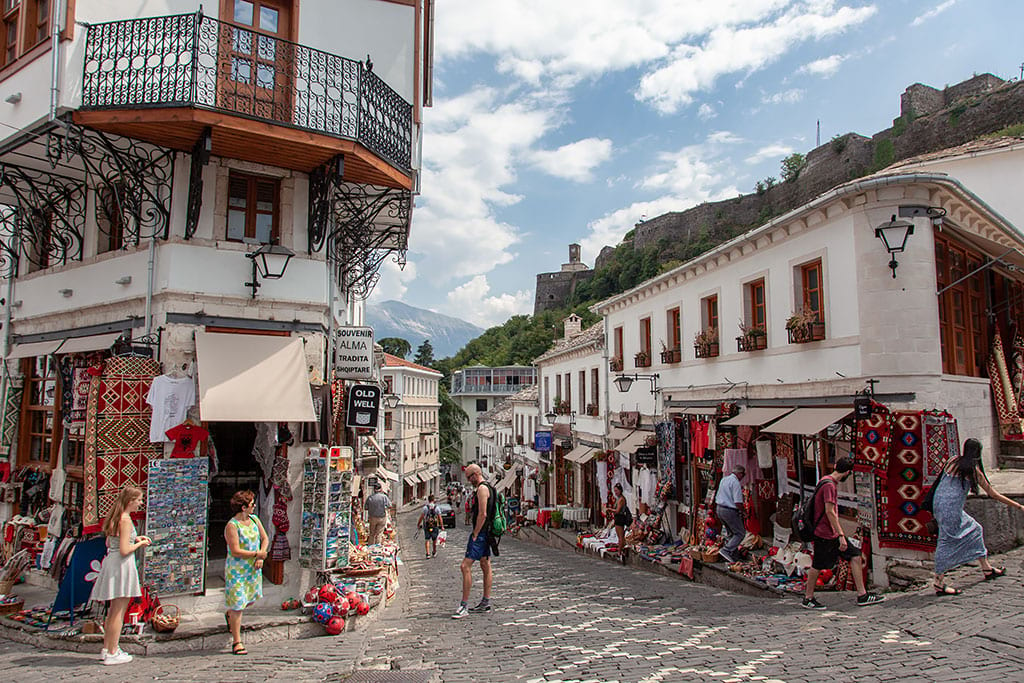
[{"x": 1012, "y": 462}]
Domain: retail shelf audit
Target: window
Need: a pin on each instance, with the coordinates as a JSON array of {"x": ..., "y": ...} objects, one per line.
[
  {"x": 547, "y": 394},
  {"x": 617, "y": 342},
  {"x": 756, "y": 306},
  {"x": 558, "y": 389},
  {"x": 389, "y": 384},
  {"x": 41, "y": 234},
  {"x": 594, "y": 389},
  {"x": 962, "y": 321},
  {"x": 40, "y": 433},
  {"x": 481, "y": 405},
  {"x": 252, "y": 208},
  {"x": 109, "y": 217},
  {"x": 645, "y": 335},
  {"x": 810, "y": 278},
  {"x": 672, "y": 331},
  {"x": 583, "y": 392},
  {"x": 12, "y": 10},
  {"x": 26, "y": 23},
  {"x": 709, "y": 311},
  {"x": 568, "y": 390},
  {"x": 387, "y": 421}
]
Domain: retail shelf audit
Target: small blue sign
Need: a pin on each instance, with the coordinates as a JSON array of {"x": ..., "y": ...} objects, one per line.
[{"x": 542, "y": 441}]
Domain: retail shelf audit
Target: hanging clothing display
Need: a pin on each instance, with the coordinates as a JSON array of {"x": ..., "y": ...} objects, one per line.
[
  {"x": 263, "y": 447},
  {"x": 170, "y": 398},
  {"x": 319, "y": 431},
  {"x": 186, "y": 438},
  {"x": 666, "y": 435}
]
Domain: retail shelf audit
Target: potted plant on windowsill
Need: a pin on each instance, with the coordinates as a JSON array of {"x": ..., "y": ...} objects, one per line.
[
  {"x": 592, "y": 409},
  {"x": 752, "y": 337},
  {"x": 803, "y": 326},
  {"x": 673, "y": 355},
  {"x": 705, "y": 343},
  {"x": 562, "y": 407},
  {"x": 642, "y": 359},
  {"x": 615, "y": 364}
]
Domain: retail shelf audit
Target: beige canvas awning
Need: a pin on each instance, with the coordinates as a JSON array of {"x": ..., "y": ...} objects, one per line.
[
  {"x": 94, "y": 342},
  {"x": 633, "y": 441},
  {"x": 698, "y": 410},
  {"x": 354, "y": 488},
  {"x": 755, "y": 417},
  {"x": 580, "y": 454},
  {"x": 506, "y": 481},
  {"x": 253, "y": 378},
  {"x": 808, "y": 420},
  {"x": 386, "y": 473},
  {"x": 619, "y": 433},
  {"x": 412, "y": 480},
  {"x": 33, "y": 349}
]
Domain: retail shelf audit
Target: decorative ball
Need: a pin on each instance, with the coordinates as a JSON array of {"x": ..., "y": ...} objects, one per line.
[
  {"x": 825, "y": 575},
  {"x": 363, "y": 608},
  {"x": 312, "y": 595},
  {"x": 322, "y": 613},
  {"x": 354, "y": 600},
  {"x": 328, "y": 593},
  {"x": 335, "y": 626}
]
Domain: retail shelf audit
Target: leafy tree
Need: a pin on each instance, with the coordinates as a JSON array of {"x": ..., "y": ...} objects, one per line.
[
  {"x": 792, "y": 165},
  {"x": 451, "y": 418},
  {"x": 424, "y": 354},
  {"x": 396, "y": 346}
]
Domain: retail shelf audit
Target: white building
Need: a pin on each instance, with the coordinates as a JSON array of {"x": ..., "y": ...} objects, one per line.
[
  {"x": 155, "y": 155},
  {"x": 494, "y": 434},
  {"x": 412, "y": 426},
  {"x": 477, "y": 389}
]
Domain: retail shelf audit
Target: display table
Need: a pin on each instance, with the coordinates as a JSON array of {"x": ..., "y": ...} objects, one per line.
[
  {"x": 544, "y": 516},
  {"x": 531, "y": 515}
]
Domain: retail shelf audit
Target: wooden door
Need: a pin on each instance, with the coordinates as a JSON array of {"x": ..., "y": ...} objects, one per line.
[{"x": 257, "y": 58}]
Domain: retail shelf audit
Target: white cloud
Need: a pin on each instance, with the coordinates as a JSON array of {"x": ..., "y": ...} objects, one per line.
[
  {"x": 826, "y": 66},
  {"x": 706, "y": 112},
  {"x": 394, "y": 282},
  {"x": 575, "y": 161},
  {"x": 470, "y": 301},
  {"x": 784, "y": 97},
  {"x": 933, "y": 12},
  {"x": 769, "y": 152},
  {"x": 724, "y": 137}
]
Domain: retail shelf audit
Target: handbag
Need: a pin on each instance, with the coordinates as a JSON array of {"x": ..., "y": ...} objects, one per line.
[{"x": 929, "y": 498}]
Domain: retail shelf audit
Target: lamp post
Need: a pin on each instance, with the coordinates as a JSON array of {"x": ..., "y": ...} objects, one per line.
[
  {"x": 268, "y": 262},
  {"x": 894, "y": 234},
  {"x": 624, "y": 382}
]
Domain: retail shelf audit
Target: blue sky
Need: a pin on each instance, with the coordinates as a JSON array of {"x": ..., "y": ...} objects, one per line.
[{"x": 558, "y": 121}]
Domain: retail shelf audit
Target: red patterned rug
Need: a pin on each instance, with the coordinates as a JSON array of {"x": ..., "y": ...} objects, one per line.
[
  {"x": 1011, "y": 427},
  {"x": 873, "y": 439},
  {"x": 117, "y": 447},
  {"x": 901, "y": 522},
  {"x": 941, "y": 443}
]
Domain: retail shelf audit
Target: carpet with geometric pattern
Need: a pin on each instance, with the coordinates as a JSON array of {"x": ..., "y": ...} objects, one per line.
[{"x": 900, "y": 492}]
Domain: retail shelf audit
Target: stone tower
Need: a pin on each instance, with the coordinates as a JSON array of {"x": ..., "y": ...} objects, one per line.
[{"x": 554, "y": 289}]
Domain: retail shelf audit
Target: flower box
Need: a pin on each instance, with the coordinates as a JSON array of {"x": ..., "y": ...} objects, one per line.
[
  {"x": 752, "y": 342},
  {"x": 706, "y": 350},
  {"x": 671, "y": 356},
  {"x": 592, "y": 410},
  {"x": 806, "y": 332},
  {"x": 615, "y": 364},
  {"x": 642, "y": 360}
]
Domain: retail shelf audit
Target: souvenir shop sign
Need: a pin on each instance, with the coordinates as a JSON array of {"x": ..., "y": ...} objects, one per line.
[
  {"x": 647, "y": 455},
  {"x": 362, "y": 404},
  {"x": 176, "y": 522},
  {"x": 353, "y": 353},
  {"x": 542, "y": 441}
]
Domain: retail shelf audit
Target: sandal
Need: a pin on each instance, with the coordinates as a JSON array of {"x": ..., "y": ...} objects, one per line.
[
  {"x": 946, "y": 590},
  {"x": 994, "y": 573},
  {"x": 239, "y": 649}
]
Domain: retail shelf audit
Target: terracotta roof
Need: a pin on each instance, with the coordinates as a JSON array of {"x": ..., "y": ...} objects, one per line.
[
  {"x": 524, "y": 395},
  {"x": 592, "y": 336},
  {"x": 972, "y": 147},
  {"x": 499, "y": 413},
  {"x": 396, "y": 362}
]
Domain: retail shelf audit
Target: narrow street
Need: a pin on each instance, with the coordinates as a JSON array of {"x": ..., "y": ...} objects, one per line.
[{"x": 565, "y": 617}]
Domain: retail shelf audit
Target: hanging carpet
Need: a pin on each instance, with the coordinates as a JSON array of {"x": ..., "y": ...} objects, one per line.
[
  {"x": 874, "y": 435},
  {"x": 117, "y": 447},
  {"x": 12, "y": 410},
  {"x": 666, "y": 434},
  {"x": 941, "y": 443},
  {"x": 1011, "y": 427},
  {"x": 900, "y": 492}
]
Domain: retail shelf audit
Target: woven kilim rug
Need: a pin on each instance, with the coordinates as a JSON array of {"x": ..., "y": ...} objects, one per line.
[
  {"x": 1011, "y": 427},
  {"x": 12, "y": 410},
  {"x": 117, "y": 447},
  {"x": 901, "y": 522},
  {"x": 873, "y": 439},
  {"x": 666, "y": 434},
  {"x": 941, "y": 443}
]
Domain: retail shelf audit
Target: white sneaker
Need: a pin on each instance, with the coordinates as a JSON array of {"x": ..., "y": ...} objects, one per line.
[
  {"x": 103, "y": 654},
  {"x": 119, "y": 657},
  {"x": 463, "y": 611}
]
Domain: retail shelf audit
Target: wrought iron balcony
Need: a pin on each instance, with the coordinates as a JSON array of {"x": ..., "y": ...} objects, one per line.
[{"x": 191, "y": 60}]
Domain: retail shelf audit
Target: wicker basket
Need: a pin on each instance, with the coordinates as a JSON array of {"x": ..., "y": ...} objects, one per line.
[
  {"x": 163, "y": 621},
  {"x": 5, "y": 587},
  {"x": 709, "y": 556},
  {"x": 12, "y": 607}
]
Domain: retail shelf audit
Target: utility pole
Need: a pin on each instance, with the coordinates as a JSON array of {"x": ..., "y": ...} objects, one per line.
[{"x": 818, "y": 143}]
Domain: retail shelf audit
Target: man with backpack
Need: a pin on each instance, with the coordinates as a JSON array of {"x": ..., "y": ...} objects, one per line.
[
  {"x": 728, "y": 503},
  {"x": 431, "y": 523},
  {"x": 830, "y": 542},
  {"x": 481, "y": 540}
]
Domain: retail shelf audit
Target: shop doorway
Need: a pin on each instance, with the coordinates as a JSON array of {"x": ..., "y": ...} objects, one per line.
[{"x": 237, "y": 471}]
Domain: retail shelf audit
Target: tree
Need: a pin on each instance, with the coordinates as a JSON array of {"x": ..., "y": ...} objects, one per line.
[
  {"x": 450, "y": 420},
  {"x": 792, "y": 165},
  {"x": 396, "y": 346},
  {"x": 424, "y": 354}
]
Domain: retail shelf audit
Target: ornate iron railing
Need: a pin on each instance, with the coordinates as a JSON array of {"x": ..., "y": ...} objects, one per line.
[{"x": 194, "y": 60}]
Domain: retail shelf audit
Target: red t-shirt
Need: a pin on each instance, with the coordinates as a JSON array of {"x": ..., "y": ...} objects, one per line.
[
  {"x": 827, "y": 494},
  {"x": 186, "y": 437}
]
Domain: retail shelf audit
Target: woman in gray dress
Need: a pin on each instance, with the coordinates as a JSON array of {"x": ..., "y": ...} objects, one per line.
[{"x": 960, "y": 536}]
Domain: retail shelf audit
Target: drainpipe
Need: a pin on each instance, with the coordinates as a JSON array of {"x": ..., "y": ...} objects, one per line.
[
  {"x": 58, "y": 7},
  {"x": 149, "y": 285},
  {"x": 607, "y": 382}
]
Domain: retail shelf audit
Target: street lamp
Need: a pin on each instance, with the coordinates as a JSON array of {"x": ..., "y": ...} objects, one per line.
[
  {"x": 894, "y": 234},
  {"x": 268, "y": 262},
  {"x": 624, "y": 382},
  {"x": 390, "y": 401}
]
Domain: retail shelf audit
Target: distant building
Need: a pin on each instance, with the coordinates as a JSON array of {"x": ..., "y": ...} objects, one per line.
[
  {"x": 554, "y": 289},
  {"x": 479, "y": 389},
  {"x": 412, "y": 426}
]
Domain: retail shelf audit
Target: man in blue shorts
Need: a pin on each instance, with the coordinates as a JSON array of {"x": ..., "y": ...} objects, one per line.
[{"x": 478, "y": 549}]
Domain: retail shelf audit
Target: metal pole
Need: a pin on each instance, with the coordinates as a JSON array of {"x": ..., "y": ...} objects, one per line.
[{"x": 55, "y": 59}]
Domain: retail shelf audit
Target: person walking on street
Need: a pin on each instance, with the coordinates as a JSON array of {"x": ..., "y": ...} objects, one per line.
[
  {"x": 622, "y": 518},
  {"x": 478, "y": 549},
  {"x": 377, "y": 511},
  {"x": 728, "y": 503},
  {"x": 247, "y": 543},
  {"x": 830, "y": 542},
  {"x": 431, "y": 523},
  {"x": 960, "y": 536}
]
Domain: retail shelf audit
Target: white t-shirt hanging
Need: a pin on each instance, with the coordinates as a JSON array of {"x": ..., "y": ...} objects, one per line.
[{"x": 171, "y": 397}]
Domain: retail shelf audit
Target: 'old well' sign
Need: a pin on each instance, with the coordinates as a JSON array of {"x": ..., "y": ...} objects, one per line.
[{"x": 353, "y": 354}]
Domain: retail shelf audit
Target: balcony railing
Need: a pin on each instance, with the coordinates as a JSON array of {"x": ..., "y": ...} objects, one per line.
[{"x": 191, "y": 60}]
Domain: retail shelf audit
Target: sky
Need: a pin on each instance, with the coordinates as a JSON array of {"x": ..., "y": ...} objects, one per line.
[{"x": 560, "y": 121}]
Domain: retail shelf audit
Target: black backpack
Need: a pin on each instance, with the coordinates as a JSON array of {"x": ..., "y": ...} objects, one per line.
[
  {"x": 804, "y": 523},
  {"x": 430, "y": 519}
]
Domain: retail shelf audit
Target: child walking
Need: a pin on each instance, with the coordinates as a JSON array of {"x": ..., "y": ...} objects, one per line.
[{"x": 118, "y": 579}]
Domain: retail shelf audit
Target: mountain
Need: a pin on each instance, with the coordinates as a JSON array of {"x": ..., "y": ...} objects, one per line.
[{"x": 394, "y": 319}]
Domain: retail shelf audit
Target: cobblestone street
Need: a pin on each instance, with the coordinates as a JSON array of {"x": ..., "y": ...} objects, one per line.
[{"x": 565, "y": 617}]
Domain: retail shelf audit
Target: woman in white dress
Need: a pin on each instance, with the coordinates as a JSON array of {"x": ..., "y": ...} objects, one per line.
[{"x": 118, "y": 579}]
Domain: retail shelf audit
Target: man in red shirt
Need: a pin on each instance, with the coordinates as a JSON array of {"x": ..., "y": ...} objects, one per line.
[{"x": 830, "y": 542}]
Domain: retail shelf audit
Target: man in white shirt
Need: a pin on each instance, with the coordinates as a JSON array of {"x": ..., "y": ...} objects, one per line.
[{"x": 728, "y": 502}]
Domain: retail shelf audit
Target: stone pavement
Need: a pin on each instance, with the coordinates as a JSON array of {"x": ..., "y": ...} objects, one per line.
[{"x": 563, "y": 616}]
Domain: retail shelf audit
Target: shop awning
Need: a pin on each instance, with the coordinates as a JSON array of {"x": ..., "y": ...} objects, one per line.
[
  {"x": 506, "y": 481},
  {"x": 33, "y": 349},
  {"x": 94, "y": 342},
  {"x": 580, "y": 454},
  {"x": 633, "y": 441},
  {"x": 698, "y": 410},
  {"x": 253, "y": 378},
  {"x": 619, "y": 433},
  {"x": 755, "y": 417},
  {"x": 808, "y": 420},
  {"x": 376, "y": 445},
  {"x": 386, "y": 473},
  {"x": 412, "y": 480},
  {"x": 354, "y": 488}
]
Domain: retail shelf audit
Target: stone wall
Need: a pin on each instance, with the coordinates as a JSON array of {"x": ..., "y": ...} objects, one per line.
[{"x": 554, "y": 289}]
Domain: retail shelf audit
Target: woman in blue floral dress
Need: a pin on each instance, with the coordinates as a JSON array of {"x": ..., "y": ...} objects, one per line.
[{"x": 243, "y": 568}]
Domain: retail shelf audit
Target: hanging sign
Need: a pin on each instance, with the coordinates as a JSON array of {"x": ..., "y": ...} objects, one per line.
[
  {"x": 647, "y": 455},
  {"x": 353, "y": 353},
  {"x": 542, "y": 441},
  {"x": 362, "y": 404}
]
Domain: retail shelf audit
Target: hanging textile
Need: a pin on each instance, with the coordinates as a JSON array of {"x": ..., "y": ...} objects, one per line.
[
  {"x": 337, "y": 405},
  {"x": 12, "y": 410},
  {"x": 873, "y": 440},
  {"x": 784, "y": 449},
  {"x": 117, "y": 447},
  {"x": 1017, "y": 361},
  {"x": 899, "y": 494},
  {"x": 666, "y": 434},
  {"x": 941, "y": 442},
  {"x": 602, "y": 480},
  {"x": 1011, "y": 427}
]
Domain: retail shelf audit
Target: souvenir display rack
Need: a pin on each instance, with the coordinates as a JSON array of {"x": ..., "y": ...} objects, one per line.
[
  {"x": 176, "y": 523},
  {"x": 326, "y": 509}
]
